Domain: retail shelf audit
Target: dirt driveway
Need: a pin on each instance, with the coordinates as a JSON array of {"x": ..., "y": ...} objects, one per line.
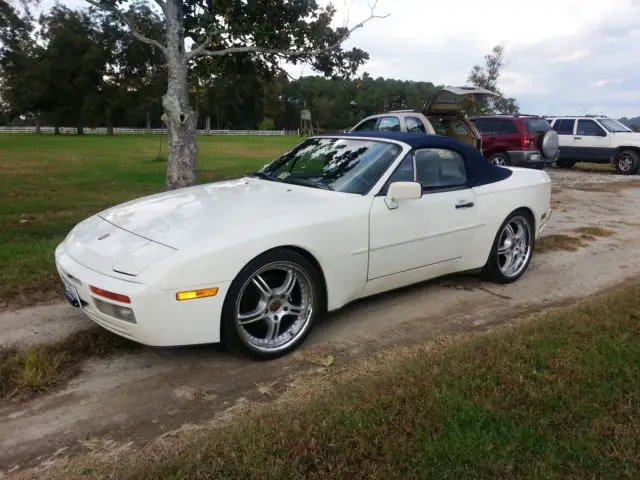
[{"x": 139, "y": 397}]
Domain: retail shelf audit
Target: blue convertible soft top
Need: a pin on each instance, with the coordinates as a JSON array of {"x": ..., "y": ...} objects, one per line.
[{"x": 479, "y": 170}]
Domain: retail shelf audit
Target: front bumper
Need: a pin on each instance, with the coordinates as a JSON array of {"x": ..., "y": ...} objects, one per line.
[
  {"x": 528, "y": 158},
  {"x": 159, "y": 319}
]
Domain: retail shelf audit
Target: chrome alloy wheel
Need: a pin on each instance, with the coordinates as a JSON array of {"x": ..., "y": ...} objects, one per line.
[
  {"x": 625, "y": 163},
  {"x": 274, "y": 307},
  {"x": 514, "y": 247}
]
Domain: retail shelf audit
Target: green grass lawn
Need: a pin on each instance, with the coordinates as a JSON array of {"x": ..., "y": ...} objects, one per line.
[{"x": 49, "y": 183}]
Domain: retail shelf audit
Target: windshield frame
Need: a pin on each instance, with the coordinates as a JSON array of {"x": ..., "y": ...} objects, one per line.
[
  {"x": 603, "y": 122},
  {"x": 379, "y": 180}
]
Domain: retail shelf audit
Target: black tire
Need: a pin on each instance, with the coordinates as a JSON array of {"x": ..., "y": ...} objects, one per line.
[
  {"x": 492, "y": 270},
  {"x": 565, "y": 163},
  {"x": 627, "y": 162},
  {"x": 236, "y": 338},
  {"x": 500, "y": 158}
]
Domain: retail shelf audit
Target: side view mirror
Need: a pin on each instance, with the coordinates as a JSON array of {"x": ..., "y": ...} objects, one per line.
[
  {"x": 603, "y": 134},
  {"x": 402, "y": 191}
]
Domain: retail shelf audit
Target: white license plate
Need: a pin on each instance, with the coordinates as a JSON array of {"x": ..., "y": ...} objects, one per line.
[{"x": 70, "y": 290}]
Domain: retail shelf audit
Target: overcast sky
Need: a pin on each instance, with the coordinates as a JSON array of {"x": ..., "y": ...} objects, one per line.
[{"x": 563, "y": 56}]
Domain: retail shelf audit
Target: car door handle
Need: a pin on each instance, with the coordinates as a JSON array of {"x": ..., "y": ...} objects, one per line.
[
  {"x": 465, "y": 205},
  {"x": 578, "y": 138}
]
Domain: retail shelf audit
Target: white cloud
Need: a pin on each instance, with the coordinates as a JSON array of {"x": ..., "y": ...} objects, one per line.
[
  {"x": 572, "y": 57},
  {"x": 602, "y": 83}
]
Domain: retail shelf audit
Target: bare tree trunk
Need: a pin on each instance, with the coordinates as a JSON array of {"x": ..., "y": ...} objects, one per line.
[
  {"x": 148, "y": 122},
  {"x": 80, "y": 130},
  {"x": 208, "y": 124},
  {"x": 178, "y": 116},
  {"x": 38, "y": 129},
  {"x": 56, "y": 129}
]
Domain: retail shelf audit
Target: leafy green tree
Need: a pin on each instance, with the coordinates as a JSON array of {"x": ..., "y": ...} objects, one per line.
[
  {"x": 75, "y": 62},
  {"x": 21, "y": 68},
  {"x": 137, "y": 74},
  {"x": 16, "y": 13}
]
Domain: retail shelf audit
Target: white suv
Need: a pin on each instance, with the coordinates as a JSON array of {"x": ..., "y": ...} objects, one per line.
[{"x": 597, "y": 139}]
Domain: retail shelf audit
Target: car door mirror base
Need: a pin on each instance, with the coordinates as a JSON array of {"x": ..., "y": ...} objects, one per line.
[{"x": 402, "y": 191}]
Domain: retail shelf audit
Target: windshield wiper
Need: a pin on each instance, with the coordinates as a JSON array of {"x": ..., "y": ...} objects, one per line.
[
  {"x": 265, "y": 176},
  {"x": 306, "y": 183}
]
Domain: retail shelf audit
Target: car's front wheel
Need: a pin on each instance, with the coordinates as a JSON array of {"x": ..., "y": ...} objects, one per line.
[
  {"x": 627, "y": 162},
  {"x": 272, "y": 304},
  {"x": 512, "y": 248}
]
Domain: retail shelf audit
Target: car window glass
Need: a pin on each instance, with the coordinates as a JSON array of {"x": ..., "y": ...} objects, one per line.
[
  {"x": 614, "y": 125},
  {"x": 488, "y": 126},
  {"x": 402, "y": 173},
  {"x": 508, "y": 128},
  {"x": 389, "y": 124},
  {"x": 367, "y": 125},
  {"x": 589, "y": 128},
  {"x": 348, "y": 165},
  {"x": 439, "y": 168},
  {"x": 438, "y": 126},
  {"x": 436, "y": 168},
  {"x": 564, "y": 127},
  {"x": 414, "y": 125},
  {"x": 537, "y": 125},
  {"x": 461, "y": 129}
]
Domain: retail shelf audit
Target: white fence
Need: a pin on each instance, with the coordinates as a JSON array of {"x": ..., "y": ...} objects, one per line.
[{"x": 144, "y": 131}]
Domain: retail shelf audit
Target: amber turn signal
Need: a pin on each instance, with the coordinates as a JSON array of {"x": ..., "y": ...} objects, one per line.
[{"x": 202, "y": 293}]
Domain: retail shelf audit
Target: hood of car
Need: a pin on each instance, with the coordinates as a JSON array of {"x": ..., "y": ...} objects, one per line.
[
  {"x": 630, "y": 137},
  {"x": 453, "y": 100},
  {"x": 181, "y": 217}
]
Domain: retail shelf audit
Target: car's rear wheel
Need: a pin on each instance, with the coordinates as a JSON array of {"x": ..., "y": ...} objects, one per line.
[
  {"x": 627, "y": 162},
  {"x": 500, "y": 158},
  {"x": 512, "y": 248},
  {"x": 272, "y": 305}
]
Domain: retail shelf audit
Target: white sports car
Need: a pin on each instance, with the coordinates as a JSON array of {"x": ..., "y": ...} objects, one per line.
[{"x": 255, "y": 262}]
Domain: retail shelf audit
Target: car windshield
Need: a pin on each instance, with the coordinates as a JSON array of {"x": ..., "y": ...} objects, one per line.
[
  {"x": 613, "y": 125},
  {"x": 346, "y": 165},
  {"x": 537, "y": 125}
]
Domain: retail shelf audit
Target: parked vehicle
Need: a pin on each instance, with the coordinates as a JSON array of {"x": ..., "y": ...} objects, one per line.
[
  {"x": 597, "y": 139},
  {"x": 255, "y": 262},
  {"x": 519, "y": 140},
  {"x": 444, "y": 114}
]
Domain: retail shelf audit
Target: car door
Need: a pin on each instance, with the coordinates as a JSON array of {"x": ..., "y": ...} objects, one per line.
[
  {"x": 591, "y": 141},
  {"x": 565, "y": 128},
  {"x": 433, "y": 230}
]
